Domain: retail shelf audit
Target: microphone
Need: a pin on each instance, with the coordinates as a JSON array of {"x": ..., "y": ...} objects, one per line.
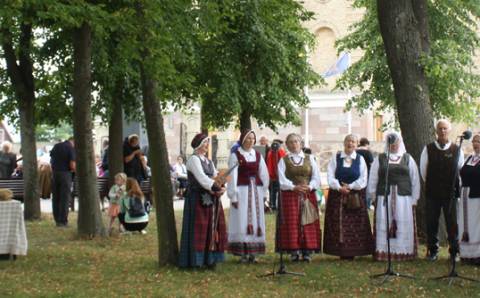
[
  {"x": 466, "y": 135},
  {"x": 391, "y": 139}
]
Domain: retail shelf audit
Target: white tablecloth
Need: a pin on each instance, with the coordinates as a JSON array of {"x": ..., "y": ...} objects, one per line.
[{"x": 13, "y": 238}]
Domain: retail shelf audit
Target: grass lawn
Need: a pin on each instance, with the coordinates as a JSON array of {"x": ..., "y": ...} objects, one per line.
[{"x": 59, "y": 265}]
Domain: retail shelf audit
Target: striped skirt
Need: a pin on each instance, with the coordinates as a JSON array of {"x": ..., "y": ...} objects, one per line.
[{"x": 291, "y": 234}]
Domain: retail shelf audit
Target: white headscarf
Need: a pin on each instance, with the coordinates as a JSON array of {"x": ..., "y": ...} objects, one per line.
[{"x": 398, "y": 138}]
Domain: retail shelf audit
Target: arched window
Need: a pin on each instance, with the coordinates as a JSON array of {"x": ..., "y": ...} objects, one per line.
[{"x": 324, "y": 54}]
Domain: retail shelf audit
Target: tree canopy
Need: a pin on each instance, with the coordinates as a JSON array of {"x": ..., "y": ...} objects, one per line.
[
  {"x": 253, "y": 61},
  {"x": 453, "y": 80}
]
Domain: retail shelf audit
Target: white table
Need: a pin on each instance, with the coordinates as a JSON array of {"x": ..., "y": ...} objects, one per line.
[{"x": 13, "y": 237}]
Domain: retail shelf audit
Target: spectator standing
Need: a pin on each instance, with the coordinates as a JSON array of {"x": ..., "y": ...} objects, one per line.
[
  {"x": 133, "y": 158},
  {"x": 274, "y": 155},
  {"x": 264, "y": 143},
  {"x": 181, "y": 177},
  {"x": 8, "y": 160},
  {"x": 104, "y": 162},
  {"x": 62, "y": 160},
  {"x": 364, "y": 150}
]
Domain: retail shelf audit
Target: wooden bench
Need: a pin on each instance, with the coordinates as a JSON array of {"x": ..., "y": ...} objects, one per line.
[
  {"x": 15, "y": 185},
  {"x": 103, "y": 188}
]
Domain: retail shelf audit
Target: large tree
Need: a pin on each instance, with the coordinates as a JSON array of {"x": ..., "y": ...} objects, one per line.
[
  {"x": 404, "y": 29},
  {"x": 89, "y": 216},
  {"x": 445, "y": 34},
  {"x": 165, "y": 57},
  {"x": 417, "y": 62},
  {"x": 17, "y": 44},
  {"x": 253, "y": 61}
]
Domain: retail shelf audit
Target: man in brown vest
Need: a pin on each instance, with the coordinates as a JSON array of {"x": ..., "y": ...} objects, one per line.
[{"x": 437, "y": 169}]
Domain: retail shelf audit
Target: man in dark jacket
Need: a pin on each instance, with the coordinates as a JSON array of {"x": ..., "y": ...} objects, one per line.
[{"x": 62, "y": 159}]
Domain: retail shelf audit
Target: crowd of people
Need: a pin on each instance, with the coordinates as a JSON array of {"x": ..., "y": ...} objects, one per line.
[
  {"x": 288, "y": 181},
  {"x": 355, "y": 179}
]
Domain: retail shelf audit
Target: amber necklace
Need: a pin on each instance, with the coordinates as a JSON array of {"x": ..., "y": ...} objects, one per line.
[
  {"x": 394, "y": 158},
  {"x": 296, "y": 163}
]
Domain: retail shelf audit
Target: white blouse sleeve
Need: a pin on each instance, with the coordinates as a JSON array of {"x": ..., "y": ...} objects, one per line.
[
  {"x": 415, "y": 179},
  {"x": 195, "y": 167},
  {"x": 315, "y": 180},
  {"x": 263, "y": 173},
  {"x": 373, "y": 179},
  {"x": 232, "y": 184},
  {"x": 112, "y": 194},
  {"x": 285, "y": 184},
  {"x": 333, "y": 183},
  {"x": 461, "y": 160},
  {"x": 361, "y": 182},
  {"x": 424, "y": 163}
]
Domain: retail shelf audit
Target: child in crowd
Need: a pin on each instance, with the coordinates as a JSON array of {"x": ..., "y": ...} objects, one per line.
[{"x": 116, "y": 193}]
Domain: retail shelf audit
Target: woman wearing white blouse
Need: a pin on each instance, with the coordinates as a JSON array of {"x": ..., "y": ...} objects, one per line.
[
  {"x": 204, "y": 236},
  {"x": 469, "y": 209},
  {"x": 403, "y": 194},
  {"x": 249, "y": 182},
  {"x": 299, "y": 225},
  {"x": 347, "y": 226}
]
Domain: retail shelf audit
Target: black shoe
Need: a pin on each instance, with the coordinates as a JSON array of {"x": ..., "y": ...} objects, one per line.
[
  {"x": 212, "y": 266},
  {"x": 432, "y": 257},
  {"x": 307, "y": 258},
  {"x": 295, "y": 258},
  {"x": 251, "y": 259},
  {"x": 244, "y": 259}
]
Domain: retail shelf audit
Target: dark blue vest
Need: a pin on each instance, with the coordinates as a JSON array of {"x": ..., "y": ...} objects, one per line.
[{"x": 347, "y": 175}]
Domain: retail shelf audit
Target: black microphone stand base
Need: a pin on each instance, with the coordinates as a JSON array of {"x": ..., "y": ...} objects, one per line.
[
  {"x": 452, "y": 275},
  {"x": 390, "y": 273},
  {"x": 282, "y": 270}
]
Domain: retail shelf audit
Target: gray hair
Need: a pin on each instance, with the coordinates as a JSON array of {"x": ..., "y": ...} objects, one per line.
[
  {"x": 444, "y": 121},
  {"x": 352, "y": 136},
  {"x": 293, "y": 135}
]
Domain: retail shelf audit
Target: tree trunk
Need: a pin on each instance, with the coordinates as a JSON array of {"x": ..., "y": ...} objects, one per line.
[
  {"x": 245, "y": 120},
  {"x": 115, "y": 134},
  {"x": 21, "y": 76},
  {"x": 162, "y": 188},
  {"x": 90, "y": 222},
  {"x": 406, "y": 38}
]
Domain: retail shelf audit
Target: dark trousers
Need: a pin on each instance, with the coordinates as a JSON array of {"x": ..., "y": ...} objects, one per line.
[
  {"x": 61, "y": 195},
  {"x": 274, "y": 189},
  {"x": 432, "y": 209}
]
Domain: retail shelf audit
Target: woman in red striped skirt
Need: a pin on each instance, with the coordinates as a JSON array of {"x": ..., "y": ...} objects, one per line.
[
  {"x": 347, "y": 227},
  {"x": 298, "y": 219}
]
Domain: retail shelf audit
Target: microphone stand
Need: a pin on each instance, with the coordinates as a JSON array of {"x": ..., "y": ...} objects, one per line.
[
  {"x": 389, "y": 272},
  {"x": 452, "y": 274},
  {"x": 279, "y": 221}
]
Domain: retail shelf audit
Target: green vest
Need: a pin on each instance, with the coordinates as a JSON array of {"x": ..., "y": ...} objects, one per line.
[
  {"x": 298, "y": 174},
  {"x": 398, "y": 174}
]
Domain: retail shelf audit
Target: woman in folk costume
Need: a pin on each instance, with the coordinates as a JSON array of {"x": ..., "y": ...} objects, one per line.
[
  {"x": 249, "y": 181},
  {"x": 469, "y": 209},
  {"x": 347, "y": 227},
  {"x": 403, "y": 194},
  {"x": 298, "y": 220},
  {"x": 203, "y": 231}
]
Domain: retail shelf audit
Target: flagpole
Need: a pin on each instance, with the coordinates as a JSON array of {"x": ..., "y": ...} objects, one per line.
[
  {"x": 306, "y": 121},
  {"x": 349, "y": 113},
  {"x": 349, "y": 96}
]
